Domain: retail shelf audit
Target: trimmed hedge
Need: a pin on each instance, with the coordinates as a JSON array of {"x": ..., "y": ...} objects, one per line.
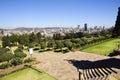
[
  {"x": 16, "y": 61},
  {"x": 3, "y": 50},
  {"x": 28, "y": 60},
  {"x": 6, "y": 57},
  {"x": 20, "y": 54},
  {"x": 5, "y": 65}
]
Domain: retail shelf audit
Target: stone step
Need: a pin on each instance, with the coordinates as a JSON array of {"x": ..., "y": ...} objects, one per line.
[
  {"x": 84, "y": 74},
  {"x": 88, "y": 76},
  {"x": 112, "y": 70},
  {"x": 101, "y": 74},
  {"x": 102, "y": 71},
  {"x": 97, "y": 73}
]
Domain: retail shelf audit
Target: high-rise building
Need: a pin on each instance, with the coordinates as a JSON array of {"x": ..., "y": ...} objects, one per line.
[
  {"x": 85, "y": 27},
  {"x": 78, "y": 27}
]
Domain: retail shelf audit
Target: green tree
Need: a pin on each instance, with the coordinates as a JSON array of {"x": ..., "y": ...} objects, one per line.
[
  {"x": 43, "y": 45},
  {"x": 68, "y": 44},
  {"x": 116, "y": 31},
  {"x": 23, "y": 39},
  {"x": 33, "y": 38},
  {"x": 78, "y": 42},
  {"x": 96, "y": 34},
  {"x": 59, "y": 45},
  {"x": 6, "y": 41},
  {"x": 14, "y": 39},
  {"x": 39, "y": 36},
  {"x": 51, "y": 44},
  {"x": 16, "y": 61}
]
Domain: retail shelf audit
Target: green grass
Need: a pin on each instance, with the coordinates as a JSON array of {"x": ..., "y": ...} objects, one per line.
[
  {"x": 103, "y": 48},
  {"x": 28, "y": 74}
]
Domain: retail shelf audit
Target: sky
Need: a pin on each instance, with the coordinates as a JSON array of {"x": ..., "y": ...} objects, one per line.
[{"x": 58, "y": 13}]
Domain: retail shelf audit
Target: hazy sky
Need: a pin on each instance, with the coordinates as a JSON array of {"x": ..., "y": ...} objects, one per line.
[{"x": 53, "y": 13}]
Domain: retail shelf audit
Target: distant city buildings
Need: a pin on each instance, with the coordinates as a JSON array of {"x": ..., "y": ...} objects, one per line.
[{"x": 52, "y": 31}]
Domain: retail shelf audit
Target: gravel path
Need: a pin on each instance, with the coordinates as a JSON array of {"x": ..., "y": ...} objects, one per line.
[{"x": 59, "y": 65}]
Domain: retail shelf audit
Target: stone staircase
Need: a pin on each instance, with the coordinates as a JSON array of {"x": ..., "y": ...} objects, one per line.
[{"x": 96, "y": 74}]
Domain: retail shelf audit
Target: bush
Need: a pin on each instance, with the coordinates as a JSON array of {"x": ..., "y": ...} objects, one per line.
[
  {"x": 36, "y": 49},
  {"x": 18, "y": 50},
  {"x": 6, "y": 57},
  {"x": 5, "y": 65},
  {"x": 20, "y": 54},
  {"x": 20, "y": 47},
  {"x": 16, "y": 61},
  {"x": 3, "y": 50},
  {"x": 29, "y": 60},
  {"x": 115, "y": 53},
  {"x": 31, "y": 45}
]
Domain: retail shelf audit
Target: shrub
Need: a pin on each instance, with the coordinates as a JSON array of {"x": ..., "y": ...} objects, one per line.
[
  {"x": 6, "y": 57},
  {"x": 16, "y": 61},
  {"x": 31, "y": 45},
  {"x": 5, "y": 65},
  {"x": 28, "y": 60},
  {"x": 20, "y": 47},
  {"x": 3, "y": 50},
  {"x": 18, "y": 50},
  {"x": 36, "y": 49},
  {"x": 20, "y": 54}
]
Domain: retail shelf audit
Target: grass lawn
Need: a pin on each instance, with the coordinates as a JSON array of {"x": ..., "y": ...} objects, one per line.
[
  {"x": 28, "y": 74},
  {"x": 103, "y": 48}
]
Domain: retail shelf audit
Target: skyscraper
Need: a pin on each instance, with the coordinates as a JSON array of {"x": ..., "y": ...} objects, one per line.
[{"x": 85, "y": 27}]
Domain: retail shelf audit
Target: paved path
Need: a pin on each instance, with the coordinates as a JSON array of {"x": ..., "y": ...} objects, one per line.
[{"x": 60, "y": 66}]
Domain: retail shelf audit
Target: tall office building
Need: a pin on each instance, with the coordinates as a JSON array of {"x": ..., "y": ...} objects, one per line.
[
  {"x": 78, "y": 26},
  {"x": 85, "y": 27}
]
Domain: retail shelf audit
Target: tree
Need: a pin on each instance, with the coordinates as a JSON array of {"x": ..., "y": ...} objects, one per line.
[
  {"x": 51, "y": 44},
  {"x": 16, "y": 61},
  {"x": 96, "y": 34},
  {"x": 68, "y": 44},
  {"x": 77, "y": 42},
  {"x": 14, "y": 39},
  {"x": 39, "y": 36},
  {"x": 33, "y": 38},
  {"x": 6, "y": 41},
  {"x": 23, "y": 39},
  {"x": 43, "y": 45},
  {"x": 116, "y": 31},
  {"x": 59, "y": 45}
]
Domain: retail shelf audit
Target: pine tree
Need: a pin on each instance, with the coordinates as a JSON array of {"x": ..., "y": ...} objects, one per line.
[{"x": 116, "y": 30}]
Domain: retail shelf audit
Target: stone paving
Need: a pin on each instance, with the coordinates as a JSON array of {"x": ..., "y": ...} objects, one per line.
[{"x": 62, "y": 66}]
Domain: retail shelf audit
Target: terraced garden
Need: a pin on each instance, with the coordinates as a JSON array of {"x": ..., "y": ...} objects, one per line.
[
  {"x": 28, "y": 74},
  {"x": 103, "y": 48}
]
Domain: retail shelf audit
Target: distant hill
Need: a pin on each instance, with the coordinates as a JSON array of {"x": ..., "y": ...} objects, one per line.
[{"x": 23, "y": 28}]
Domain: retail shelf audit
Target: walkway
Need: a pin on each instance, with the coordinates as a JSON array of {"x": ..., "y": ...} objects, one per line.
[{"x": 65, "y": 66}]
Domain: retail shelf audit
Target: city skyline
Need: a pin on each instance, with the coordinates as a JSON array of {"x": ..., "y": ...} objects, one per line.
[{"x": 58, "y": 13}]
